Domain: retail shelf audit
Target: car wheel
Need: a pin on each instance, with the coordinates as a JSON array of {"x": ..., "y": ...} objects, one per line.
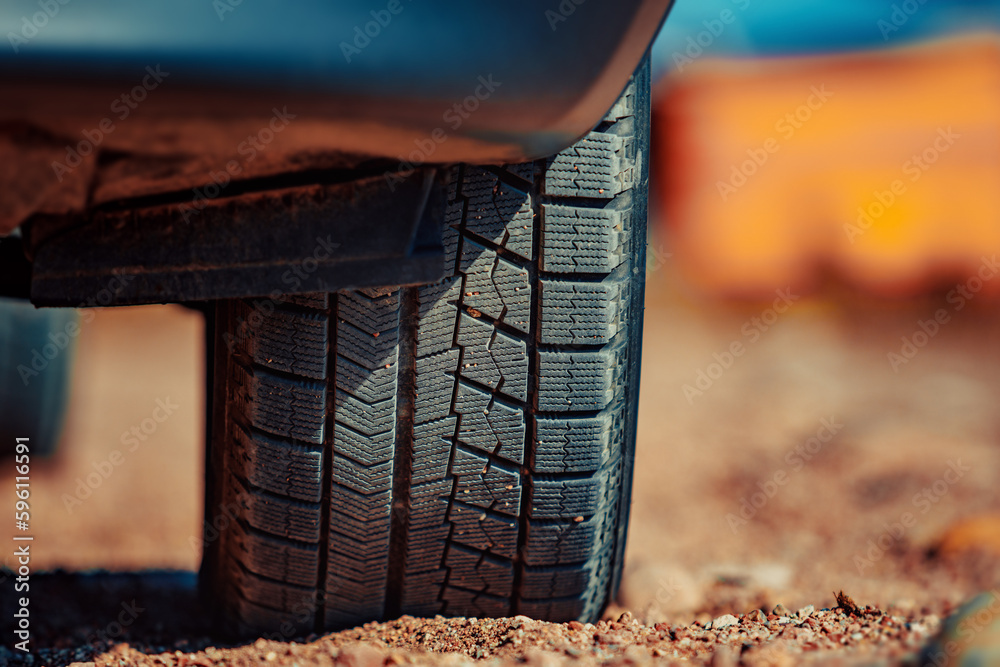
[{"x": 459, "y": 448}]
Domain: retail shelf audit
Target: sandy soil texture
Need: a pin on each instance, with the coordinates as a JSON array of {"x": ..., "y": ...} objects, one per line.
[{"x": 803, "y": 466}]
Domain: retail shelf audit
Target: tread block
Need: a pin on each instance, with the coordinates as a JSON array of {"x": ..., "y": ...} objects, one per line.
[
  {"x": 281, "y": 517},
  {"x": 580, "y": 239},
  {"x": 370, "y": 386},
  {"x": 568, "y": 542},
  {"x": 595, "y": 167},
  {"x": 545, "y": 583},
  {"x": 283, "y": 340},
  {"x": 356, "y": 554},
  {"x": 573, "y": 445},
  {"x": 280, "y": 405},
  {"x": 368, "y": 327},
  {"x": 475, "y": 571},
  {"x": 489, "y": 425},
  {"x": 428, "y": 528},
  {"x": 252, "y": 617},
  {"x": 358, "y": 514},
  {"x": 497, "y": 212},
  {"x": 364, "y": 347},
  {"x": 371, "y": 308},
  {"x": 270, "y": 594},
  {"x": 495, "y": 286},
  {"x": 624, "y": 106},
  {"x": 274, "y": 558},
  {"x": 425, "y": 549},
  {"x": 438, "y": 311},
  {"x": 569, "y": 499},
  {"x": 429, "y": 504},
  {"x": 365, "y": 479},
  {"x": 364, "y": 449},
  {"x": 368, "y": 419},
  {"x": 485, "y": 532},
  {"x": 492, "y": 356},
  {"x": 431, "y": 445},
  {"x": 363, "y": 565},
  {"x": 420, "y": 598},
  {"x": 574, "y": 313},
  {"x": 576, "y": 380},
  {"x": 435, "y": 385},
  {"x": 485, "y": 484},
  {"x": 279, "y": 467}
]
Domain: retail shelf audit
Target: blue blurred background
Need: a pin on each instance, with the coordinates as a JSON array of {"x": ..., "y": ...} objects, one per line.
[{"x": 787, "y": 27}]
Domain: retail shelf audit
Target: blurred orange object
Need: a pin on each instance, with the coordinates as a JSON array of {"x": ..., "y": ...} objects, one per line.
[
  {"x": 976, "y": 534},
  {"x": 882, "y": 167}
]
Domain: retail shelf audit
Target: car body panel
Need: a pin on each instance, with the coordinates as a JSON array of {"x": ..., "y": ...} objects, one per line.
[{"x": 444, "y": 81}]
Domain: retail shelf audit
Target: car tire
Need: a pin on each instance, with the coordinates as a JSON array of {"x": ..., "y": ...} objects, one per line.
[{"x": 460, "y": 448}]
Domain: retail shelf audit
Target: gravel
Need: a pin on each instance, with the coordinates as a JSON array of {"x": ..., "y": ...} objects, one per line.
[{"x": 869, "y": 635}]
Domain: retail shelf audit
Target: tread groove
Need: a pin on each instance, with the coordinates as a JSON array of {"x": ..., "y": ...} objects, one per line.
[
  {"x": 403, "y": 463},
  {"x": 527, "y": 484},
  {"x": 327, "y": 468}
]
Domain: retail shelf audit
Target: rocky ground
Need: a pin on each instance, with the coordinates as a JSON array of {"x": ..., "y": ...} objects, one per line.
[{"x": 808, "y": 465}]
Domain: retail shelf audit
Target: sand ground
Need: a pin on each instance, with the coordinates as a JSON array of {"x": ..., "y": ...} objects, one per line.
[{"x": 806, "y": 465}]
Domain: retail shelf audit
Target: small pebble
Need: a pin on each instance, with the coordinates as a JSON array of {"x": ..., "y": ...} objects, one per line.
[{"x": 724, "y": 621}]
